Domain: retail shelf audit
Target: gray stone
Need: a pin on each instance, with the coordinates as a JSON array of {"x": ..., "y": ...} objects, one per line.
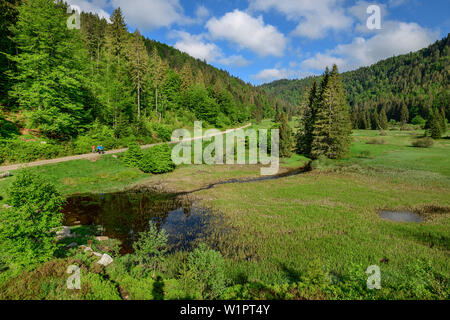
[
  {"x": 5, "y": 174},
  {"x": 85, "y": 248},
  {"x": 105, "y": 260},
  {"x": 73, "y": 244}
]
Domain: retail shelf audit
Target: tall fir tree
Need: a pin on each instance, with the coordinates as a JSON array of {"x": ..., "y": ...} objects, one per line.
[
  {"x": 187, "y": 77},
  {"x": 435, "y": 128},
  {"x": 383, "y": 120},
  {"x": 51, "y": 70},
  {"x": 304, "y": 136},
  {"x": 332, "y": 127},
  {"x": 138, "y": 65},
  {"x": 286, "y": 142}
]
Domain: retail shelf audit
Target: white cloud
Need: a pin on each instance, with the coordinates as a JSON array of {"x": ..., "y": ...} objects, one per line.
[
  {"x": 196, "y": 46},
  {"x": 150, "y": 14},
  {"x": 248, "y": 32},
  {"x": 315, "y": 17},
  {"x": 359, "y": 10},
  {"x": 94, "y": 6},
  {"x": 397, "y": 38},
  {"x": 321, "y": 61},
  {"x": 268, "y": 75},
  {"x": 235, "y": 61},
  {"x": 202, "y": 13}
]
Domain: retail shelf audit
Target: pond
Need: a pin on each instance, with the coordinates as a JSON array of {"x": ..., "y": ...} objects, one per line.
[
  {"x": 123, "y": 215},
  {"x": 400, "y": 216}
]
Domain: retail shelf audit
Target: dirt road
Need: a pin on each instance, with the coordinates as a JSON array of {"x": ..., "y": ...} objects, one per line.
[{"x": 94, "y": 155}]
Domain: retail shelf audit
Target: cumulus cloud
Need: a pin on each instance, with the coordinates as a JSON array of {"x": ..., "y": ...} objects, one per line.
[
  {"x": 199, "y": 47},
  {"x": 398, "y": 38},
  {"x": 150, "y": 14},
  {"x": 94, "y": 6},
  {"x": 196, "y": 46},
  {"x": 248, "y": 32},
  {"x": 268, "y": 75},
  {"x": 235, "y": 61},
  {"x": 201, "y": 13},
  {"x": 272, "y": 74},
  {"x": 315, "y": 17},
  {"x": 321, "y": 61}
]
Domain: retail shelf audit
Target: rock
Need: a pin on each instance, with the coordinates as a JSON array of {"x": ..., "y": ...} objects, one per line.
[
  {"x": 85, "y": 248},
  {"x": 101, "y": 238},
  {"x": 105, "y": 260},
  {"x": 73, "y": 244},
  {"x": 97, "y": 254},
  {"x": 63, "y": 233},
  {"x": 5, "y": 174},
  {"x": 114, "y": 156},
  {"x": 6, "y": 206}
]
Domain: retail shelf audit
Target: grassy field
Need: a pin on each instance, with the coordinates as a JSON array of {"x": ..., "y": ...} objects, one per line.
[{"x": 307, "y": 236}]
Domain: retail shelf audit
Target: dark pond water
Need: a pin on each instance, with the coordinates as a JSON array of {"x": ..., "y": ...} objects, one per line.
[
  {"x": 401, "y": 216},
  {"x": 123, "y": 215}
]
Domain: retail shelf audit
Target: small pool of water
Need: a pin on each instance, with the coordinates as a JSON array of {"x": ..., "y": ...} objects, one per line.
[
  {"x": 123, "y": 215},
  {"x": 400, "y": 216}
]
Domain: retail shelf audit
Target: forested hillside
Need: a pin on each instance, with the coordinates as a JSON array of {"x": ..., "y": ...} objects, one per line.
[
  {"x": 101, "y": 84},
  {"x": 416, "y": 83}
]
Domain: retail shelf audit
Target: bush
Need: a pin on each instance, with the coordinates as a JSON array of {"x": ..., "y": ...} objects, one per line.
[
  {"x": 365, "y": 154},
  {"x": 150, "y": 247},
  {"x": 157, "y": 159},
  {"x": 376, "y": 141},
  {"x": 163, "y": 131},
  {"x": 18, "y": 150},
  {"x": 418, "y": 120},
  {"x": 206, "y": 270},
  {"x": 383, "y": 133},
  {"x": 25, "y": 231},
  {"x": 133, "y": 155},
  {"x": 426, "y": 142}
]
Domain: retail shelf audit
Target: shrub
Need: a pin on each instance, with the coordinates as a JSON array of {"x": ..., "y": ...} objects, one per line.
[
  {"x": 383, "y": 133},
  {"x": 18, "y": 150},
  {"x": 163, "y": 131},
  {"x": 376, "y": 141},
  {"x": 365, "y": 154},
  {"x": 150, "y": 247},
  {"x": 426, "y": 142},
  {"x": 418, "y": 120},
  {"x": 157, "y": 160},
  {"x": 206, "y": 270},
  {"x": 133, "y": 155},
  {"x": 25, "y": 231}
]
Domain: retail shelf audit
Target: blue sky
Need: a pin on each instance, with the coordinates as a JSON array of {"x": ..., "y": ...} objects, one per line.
[{"x": 265, "y": 40}]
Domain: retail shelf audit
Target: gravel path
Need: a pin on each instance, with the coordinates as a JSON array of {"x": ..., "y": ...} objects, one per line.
[{"x": 94, "y": 155}]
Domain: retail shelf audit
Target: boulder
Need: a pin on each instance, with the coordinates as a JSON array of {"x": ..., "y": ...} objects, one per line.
[
  {"x": 5, "y": 174},
  {"x": 6, "y": 206},
  {"x": 71, "y": 245},
  {"x": 101, "y": 238},
  {"x": 105, "y": 260},
  {"x": 85, "y": 248}
]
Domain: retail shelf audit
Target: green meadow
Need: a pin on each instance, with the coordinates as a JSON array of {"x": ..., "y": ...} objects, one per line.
[{"x": 307, "y": 236}]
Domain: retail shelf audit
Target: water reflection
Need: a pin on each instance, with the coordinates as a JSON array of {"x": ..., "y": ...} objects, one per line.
[{"x": 124, "y": 214}]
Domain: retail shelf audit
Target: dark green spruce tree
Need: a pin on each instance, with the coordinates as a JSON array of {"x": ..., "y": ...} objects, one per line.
[
  {"x": 305, "y": 127},
  {"x": 286, "y": 135},
  {"x": 332, "y": 126}
]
